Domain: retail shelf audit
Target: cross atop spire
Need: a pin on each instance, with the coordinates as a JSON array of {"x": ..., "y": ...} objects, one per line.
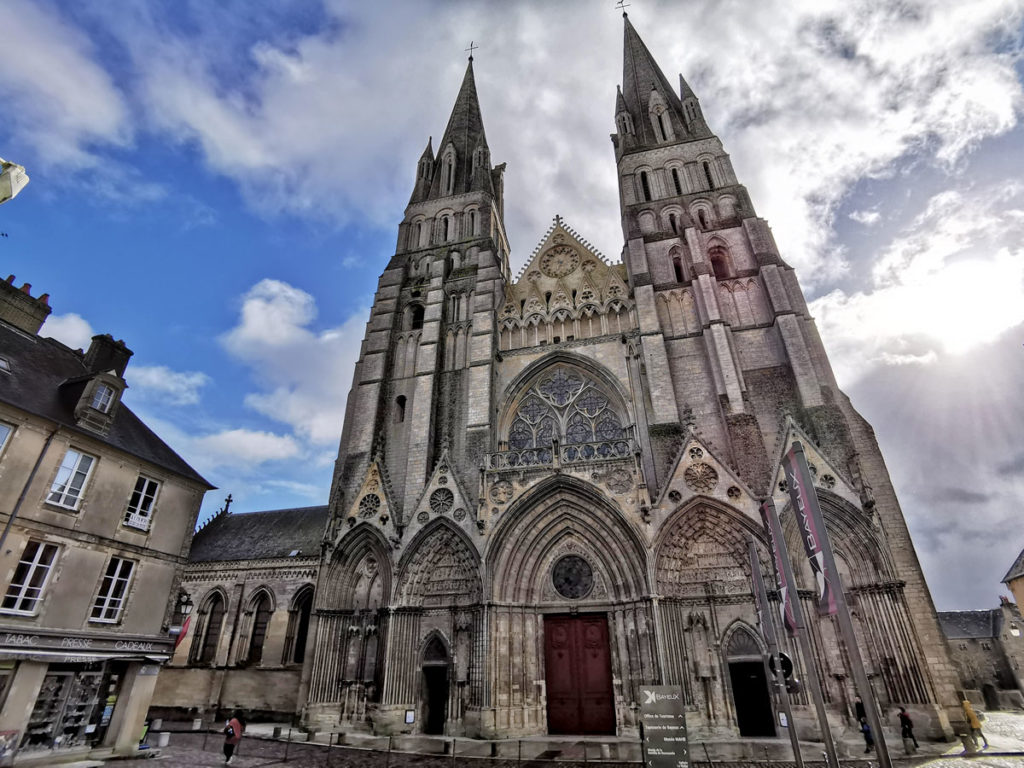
[
  {"x": 471, "y": 49},
  {"x": 622, "y": 5}
]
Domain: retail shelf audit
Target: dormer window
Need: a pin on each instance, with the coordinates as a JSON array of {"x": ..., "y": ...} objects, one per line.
[{"x": 102, "y": 398}]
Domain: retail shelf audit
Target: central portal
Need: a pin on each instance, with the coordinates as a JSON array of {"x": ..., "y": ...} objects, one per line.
[{"x": 578, "y": 671}]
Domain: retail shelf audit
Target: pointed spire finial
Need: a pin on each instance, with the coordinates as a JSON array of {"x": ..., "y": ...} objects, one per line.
[
  {"x": 622, "y": 5},
  {"x": 471, "y": 48}
]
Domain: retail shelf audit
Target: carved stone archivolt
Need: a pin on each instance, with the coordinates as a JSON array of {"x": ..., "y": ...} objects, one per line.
[
  {"x": 440, "y": 569},
  {"x": 704, "y": 546}
]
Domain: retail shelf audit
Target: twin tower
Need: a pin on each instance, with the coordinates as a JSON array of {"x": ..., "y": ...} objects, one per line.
[{"x": 546, "y": 485}]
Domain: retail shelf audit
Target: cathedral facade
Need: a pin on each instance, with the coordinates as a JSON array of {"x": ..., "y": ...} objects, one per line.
[{"x": 547, "y": 481}]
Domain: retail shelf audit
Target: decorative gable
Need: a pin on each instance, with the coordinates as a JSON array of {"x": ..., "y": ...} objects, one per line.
[
  {"x": 699, "y": 472},
  {"x": 443, "y": 496},
  {"x": 826, "y": 475},
  {"x": 373, "y": 503}
]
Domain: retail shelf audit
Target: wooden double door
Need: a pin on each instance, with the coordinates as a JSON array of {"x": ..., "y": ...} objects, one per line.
[{"x": 578, "y": 674}]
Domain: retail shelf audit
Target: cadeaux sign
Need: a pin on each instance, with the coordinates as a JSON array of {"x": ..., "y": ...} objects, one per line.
[{"x": 812, "y": 527}]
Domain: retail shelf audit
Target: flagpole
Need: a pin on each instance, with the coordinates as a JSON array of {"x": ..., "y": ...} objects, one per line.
[
  {"x": 764, "y": 615},
  {"x": 798, "y": 478},
  {"x": 783, "y": 563}
]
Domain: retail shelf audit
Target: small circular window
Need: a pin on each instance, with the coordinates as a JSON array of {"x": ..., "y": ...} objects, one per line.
[{"x": 572, "y": 577}]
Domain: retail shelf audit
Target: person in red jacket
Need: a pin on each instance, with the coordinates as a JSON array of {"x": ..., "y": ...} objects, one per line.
[{"x": 232, "y": 735}]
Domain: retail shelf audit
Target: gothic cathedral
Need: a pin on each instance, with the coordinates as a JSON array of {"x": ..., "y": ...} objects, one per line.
[{"x": 546, "y": 482}]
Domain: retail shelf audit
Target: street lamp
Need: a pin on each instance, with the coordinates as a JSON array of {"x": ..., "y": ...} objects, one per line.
[
  {"x": 184, "y": 604},
  {"x": 12, "y": 180}
]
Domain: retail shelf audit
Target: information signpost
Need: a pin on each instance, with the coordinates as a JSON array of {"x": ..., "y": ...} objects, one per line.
[{"x": 662, "y": 713}]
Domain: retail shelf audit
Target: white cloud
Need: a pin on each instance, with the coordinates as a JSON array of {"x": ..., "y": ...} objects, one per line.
[
  {"x": 304, "y": 374},
  {"x": 241, "y": 448},
  {"x": 71, "y": 329},
  {"x": 867, "y": 218},
  {"x": 953, "y": 280},
  {"x": 56, "y": 97},
  {"x": 162, "y": 383}
]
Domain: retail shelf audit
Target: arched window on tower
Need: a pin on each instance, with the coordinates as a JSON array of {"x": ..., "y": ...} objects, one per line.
[
  {"x": 677, "y": 265},
  {"x": 720, "y": 262},
  {"x": 675, "y": 181},
  {"x": 645, "y": 186},
  {"x": 673, "y": 222},
  {"x": 261, "y": 611},
  {"x": 702, "y": 217},
  {"x": 474, "y": 222},
  {"x": 414, "y": 317},
  {"x": 399, "y": 409},
  {"x": 211, "y": 621},
  {"x": 448, "y": 172},
  {"x": 707, "y": 174},
  {"x": 298, "y": 627},
  {"x": 445, "y": 227}
]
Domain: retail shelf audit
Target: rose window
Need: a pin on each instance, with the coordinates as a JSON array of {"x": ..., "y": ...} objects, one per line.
[
  {"x": 369, "y": 505},
  {"x": 441, "y": 500}
]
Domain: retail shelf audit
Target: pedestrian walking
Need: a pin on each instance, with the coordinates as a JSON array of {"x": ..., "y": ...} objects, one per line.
[
  {"x": 858, "y": 709},
  {"x": 907, "y": 730},
  {"x": 233, "y": 730},
  {"x": 869, "y": 740},
  {"x": 974, "y": 722}
]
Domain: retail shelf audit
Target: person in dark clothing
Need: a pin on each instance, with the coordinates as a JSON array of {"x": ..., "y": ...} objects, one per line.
[
  {"x": 907, "y": 727},
  {"x": 233, "y": 730},
  {"x": 869, "y": 740},
  {"x": 858, "y": 709}
]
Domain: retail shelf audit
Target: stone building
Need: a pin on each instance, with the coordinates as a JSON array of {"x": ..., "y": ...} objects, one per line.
[
  {"x": 100, "y": 514},
  {"x": 988, "y": 650},
  {"x": 251, "y": 577},
  {"x": 546, "y": 481},
  {"x": 1014, "y": 579}
]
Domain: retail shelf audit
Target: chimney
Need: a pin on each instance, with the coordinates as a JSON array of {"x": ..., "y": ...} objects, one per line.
[
  {"x": 18, "y": 308},
  {"x": 105, "y": 354}
]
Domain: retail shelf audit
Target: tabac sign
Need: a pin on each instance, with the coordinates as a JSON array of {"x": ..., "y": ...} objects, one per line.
[{"x": 665, "y": 741}]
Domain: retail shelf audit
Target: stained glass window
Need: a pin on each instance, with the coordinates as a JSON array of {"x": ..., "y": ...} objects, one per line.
[{"x": 566, "y": 405}]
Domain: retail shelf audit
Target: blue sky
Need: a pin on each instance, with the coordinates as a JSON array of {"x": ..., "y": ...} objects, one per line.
[{"x": 220, "y": 184}]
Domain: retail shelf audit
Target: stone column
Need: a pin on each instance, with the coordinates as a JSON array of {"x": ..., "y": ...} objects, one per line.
[
  {"x": 133, "y": 702},
  {"x": 21, "y": 698}
]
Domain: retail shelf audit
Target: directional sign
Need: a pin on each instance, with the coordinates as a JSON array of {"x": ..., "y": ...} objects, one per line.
[{"x": 662, "y": 713}]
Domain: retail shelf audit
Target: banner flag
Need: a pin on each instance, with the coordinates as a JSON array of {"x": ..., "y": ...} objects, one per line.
[
  {"x": 777, "y": 545},
  {"x": 764, "y": 616},
  {"x": 812, "y": 526},
  {"x": 184, "y": 631}
]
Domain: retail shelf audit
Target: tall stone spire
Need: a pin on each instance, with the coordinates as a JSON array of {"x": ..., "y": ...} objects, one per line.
[
  {"x": 656, "y": 110},
  {"x": 463, "y": 159},
  {"x": 424, "y": 173}
]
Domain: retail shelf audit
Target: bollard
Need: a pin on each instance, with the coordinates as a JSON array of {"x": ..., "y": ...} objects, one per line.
[
  {"x": 157, "y": 724},
  {"x": 197, "y": 724},
  {"x": 606, "y": 751},
  {"x": 163, "y": 738},
  {"x": 277, "y": 731}
]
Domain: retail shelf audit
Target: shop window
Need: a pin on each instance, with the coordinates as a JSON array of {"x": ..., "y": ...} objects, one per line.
[
  {"x": 30, "y": 578},
  {"x": 113, "y": 591},
  {"x": 140, "y": 504},
  {"x": 298, "y": 628},
  {"x": 67, "y": 487},
  {"x": 260, "y": 621},
  {"x": 211, "y": 617}
]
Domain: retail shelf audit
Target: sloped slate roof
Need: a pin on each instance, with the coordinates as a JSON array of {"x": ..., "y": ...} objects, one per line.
[
  {"x": 958, "y": 625},
  {"x": 1016, "y": 570},
  {"x": 260, "y": 535},
  {"x": 39, "y": 366}
]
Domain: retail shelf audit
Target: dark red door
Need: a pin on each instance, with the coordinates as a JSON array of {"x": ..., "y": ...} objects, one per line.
[{"x": 578, "y": 672}]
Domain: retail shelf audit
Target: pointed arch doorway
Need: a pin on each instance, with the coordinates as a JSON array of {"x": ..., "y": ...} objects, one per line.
[
  {"x": 436, "y": 665},
  {"x": 749, "y": 680}
]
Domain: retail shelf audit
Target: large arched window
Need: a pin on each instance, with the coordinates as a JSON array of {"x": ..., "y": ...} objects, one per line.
[
  {"x": 261, "y": 612},
  {"x": 211, "y": 621},
  {"x": 566, "y": 404},
  {"x": 298, "y": 627}
]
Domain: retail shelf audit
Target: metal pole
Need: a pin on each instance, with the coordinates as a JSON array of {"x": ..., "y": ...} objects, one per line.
[
  {"x": 810, "y": 667},
  {"x": 707, "y": 754},
  {"x": 453, "y": 750},
  {"x": 860, "y": 677},
  {"x": 519, "y": 755},
  {"x": 771, "y": 638},
  {"x": 585, "y": 751},
  {"x": 288, "y": 744},
  {"x": 387, "y": 759},
  {"x": 206, "y": 734}
]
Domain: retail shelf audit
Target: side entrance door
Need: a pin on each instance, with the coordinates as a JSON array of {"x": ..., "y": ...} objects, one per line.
[{"x": 578, "y": 674}]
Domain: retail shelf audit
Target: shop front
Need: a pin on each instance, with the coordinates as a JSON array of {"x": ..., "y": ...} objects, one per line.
[{"x": 68, "y": 694}]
